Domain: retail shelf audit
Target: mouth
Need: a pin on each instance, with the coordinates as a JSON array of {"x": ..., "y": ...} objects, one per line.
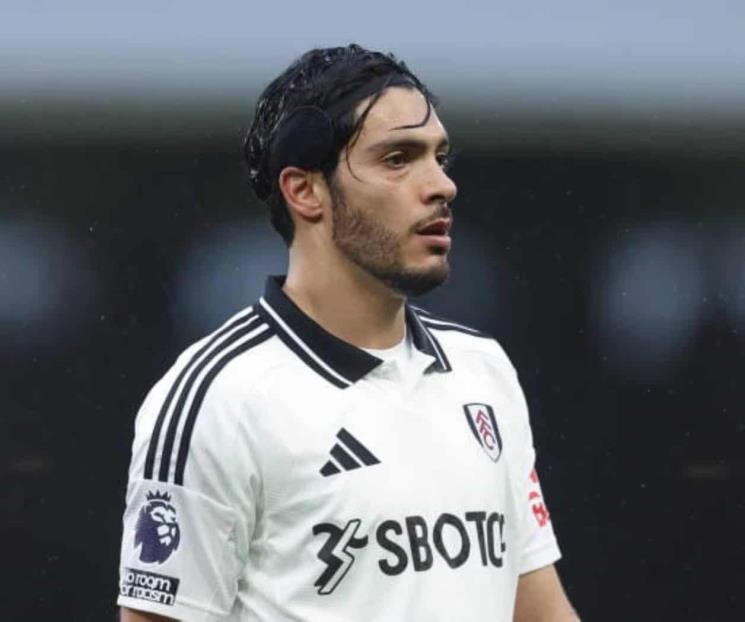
[
  {"x": 438, "y": 227},
  {"x": 437, "y": 233}
]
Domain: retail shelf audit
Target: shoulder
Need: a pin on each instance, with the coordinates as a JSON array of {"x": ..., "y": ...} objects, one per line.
[
  {"x": 198, "y": 402},
  {"x": 457, "y": 338},
  {"x": 206, "y": 367}
]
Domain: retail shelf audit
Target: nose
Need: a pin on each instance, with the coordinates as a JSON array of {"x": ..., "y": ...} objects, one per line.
[{"x": 438, "y": 186}]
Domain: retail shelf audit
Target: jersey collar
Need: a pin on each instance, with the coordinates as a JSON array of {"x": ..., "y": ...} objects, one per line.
[{"x": 337, "y": 361}]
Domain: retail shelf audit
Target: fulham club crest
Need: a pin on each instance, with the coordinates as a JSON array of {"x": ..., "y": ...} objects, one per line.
[{"x": 483, "y": 424}]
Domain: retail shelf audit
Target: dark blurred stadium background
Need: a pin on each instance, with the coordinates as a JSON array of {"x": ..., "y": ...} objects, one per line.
[{"x": 600, "y": 237}]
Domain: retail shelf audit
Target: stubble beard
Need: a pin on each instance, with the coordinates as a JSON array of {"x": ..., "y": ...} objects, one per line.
[{"x": 376, "y": 249}]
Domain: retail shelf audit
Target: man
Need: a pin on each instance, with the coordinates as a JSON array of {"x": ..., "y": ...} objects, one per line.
[{"x": 333, "y": 453}]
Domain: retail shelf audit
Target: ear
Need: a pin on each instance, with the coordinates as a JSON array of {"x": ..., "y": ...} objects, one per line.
[{"x": 302, "y": 192}]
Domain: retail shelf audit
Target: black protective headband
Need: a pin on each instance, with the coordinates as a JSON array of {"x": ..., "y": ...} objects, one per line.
[{"x": 306, "y": 138}]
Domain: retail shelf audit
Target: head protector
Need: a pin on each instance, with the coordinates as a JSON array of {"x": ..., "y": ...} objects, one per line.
[{"x": 309, "y": 136}]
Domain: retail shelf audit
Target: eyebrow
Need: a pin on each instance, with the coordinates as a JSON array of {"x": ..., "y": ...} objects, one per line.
[{"x": 407, "y": 143}]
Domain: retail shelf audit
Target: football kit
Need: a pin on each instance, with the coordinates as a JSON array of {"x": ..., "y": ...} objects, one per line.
[{"x": 279, "y": 473}]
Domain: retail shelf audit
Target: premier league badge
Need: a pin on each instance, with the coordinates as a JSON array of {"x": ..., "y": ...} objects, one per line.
[
  {"x": 483, "y": 424},
  {"x": 157, "y": 530}
]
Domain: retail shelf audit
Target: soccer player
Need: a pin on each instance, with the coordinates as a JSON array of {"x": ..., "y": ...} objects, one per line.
[{"x": 333, "y": 453}]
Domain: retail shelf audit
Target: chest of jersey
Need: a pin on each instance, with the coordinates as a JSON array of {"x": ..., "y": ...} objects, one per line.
[{"x": 398, "y": 479}]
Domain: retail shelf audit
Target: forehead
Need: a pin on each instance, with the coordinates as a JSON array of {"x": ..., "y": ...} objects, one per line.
[{"x": 397, "y": 108}]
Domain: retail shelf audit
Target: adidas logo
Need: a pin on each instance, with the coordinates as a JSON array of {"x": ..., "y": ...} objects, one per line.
[{"x": 347, "y": 454}]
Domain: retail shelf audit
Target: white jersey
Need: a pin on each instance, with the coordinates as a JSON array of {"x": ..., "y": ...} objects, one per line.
[{"x": 279, "y": 473}]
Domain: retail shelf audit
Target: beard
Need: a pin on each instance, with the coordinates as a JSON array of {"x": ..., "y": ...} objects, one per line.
[{"x": 370, "y": 245}]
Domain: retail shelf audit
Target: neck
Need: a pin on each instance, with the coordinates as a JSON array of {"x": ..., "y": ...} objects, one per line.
[{"x": 346, "y": 301}]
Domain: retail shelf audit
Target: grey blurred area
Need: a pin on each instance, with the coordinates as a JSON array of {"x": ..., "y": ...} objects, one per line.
[{"x": 600, "y": 237}]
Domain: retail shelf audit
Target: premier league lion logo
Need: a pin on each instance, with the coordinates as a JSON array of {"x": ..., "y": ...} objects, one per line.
[{"x": 157, "y": 530}]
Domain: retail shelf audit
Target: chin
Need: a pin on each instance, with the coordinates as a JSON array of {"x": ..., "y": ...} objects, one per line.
[
  {"x": 436, "y": 265},
  {"x": 414, "y": 282}
]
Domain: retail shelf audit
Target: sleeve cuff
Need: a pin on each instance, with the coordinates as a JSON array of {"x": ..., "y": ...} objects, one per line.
[
  {"x": 543, "y": 556},
  {"x": 179, "y": 611}
]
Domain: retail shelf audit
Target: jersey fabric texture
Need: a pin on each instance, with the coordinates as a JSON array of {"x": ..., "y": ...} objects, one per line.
[{"x": 279, "y": 473}]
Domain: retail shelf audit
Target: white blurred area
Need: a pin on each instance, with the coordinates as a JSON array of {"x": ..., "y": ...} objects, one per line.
[
  {"x": 224, "y": 273},
  {"x": 660, "y": 284},
  {"x": 649, "y": 297},
  {"x": 640, "y": 70},
  {"x": 48, "y": 286},
  {"x": 642, "y": 48}
]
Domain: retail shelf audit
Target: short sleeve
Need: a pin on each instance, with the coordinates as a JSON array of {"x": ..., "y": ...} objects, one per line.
[
  {"x": 179, "y": 553},
  {"x": 539, "y": 545},
  {"x": 185, "y": 533}
]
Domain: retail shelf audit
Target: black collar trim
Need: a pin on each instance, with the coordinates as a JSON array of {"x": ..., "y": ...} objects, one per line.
[
  {"x": 339, "y": 362},
  {"x": 425, "y": 341}
]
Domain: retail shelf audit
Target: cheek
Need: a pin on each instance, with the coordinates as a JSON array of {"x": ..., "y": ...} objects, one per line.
[
  {"x": 395, "y": 221},
  {"x": 397, "y": 207},
  {"x": 385, "y": 209},
  {"x": 389, "y": 203}
]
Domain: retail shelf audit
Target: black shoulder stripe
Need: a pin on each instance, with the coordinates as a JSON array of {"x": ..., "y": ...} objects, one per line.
[
  {"x": 444, "y": 325},
  {"x": 224, "y": 346},
  {"x": 183, "y": 452},
  {"x": 423, "y": 313},
  {"x": 155, "y": 437}
]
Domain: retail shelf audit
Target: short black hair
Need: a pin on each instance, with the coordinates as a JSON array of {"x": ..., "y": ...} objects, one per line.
[{"x": 325, "y": 84}]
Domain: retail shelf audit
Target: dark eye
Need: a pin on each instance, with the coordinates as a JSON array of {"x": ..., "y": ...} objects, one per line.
[{"x": 395, "y": 160}]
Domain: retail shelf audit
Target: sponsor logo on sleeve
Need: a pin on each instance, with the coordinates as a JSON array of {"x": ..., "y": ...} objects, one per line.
[
  {"x": 539, "y": 509},
  {"x": 157, "y": 532},
  {"x": 149, "y": 586}
]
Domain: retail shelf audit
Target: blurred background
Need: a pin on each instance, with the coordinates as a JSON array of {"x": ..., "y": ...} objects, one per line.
[{"x": 600, "y": 237}]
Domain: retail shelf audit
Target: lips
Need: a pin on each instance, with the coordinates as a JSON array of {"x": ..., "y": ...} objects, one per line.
[
  {"x": 440, "y": 226},
  {"x": 436, "y": 235}
]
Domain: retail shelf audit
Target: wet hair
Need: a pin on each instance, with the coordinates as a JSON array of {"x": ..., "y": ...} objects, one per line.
[{"x": 306, "y": 116}]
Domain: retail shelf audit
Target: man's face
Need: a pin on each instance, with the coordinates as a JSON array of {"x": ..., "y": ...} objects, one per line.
[{"x": 391, "y": 213}]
